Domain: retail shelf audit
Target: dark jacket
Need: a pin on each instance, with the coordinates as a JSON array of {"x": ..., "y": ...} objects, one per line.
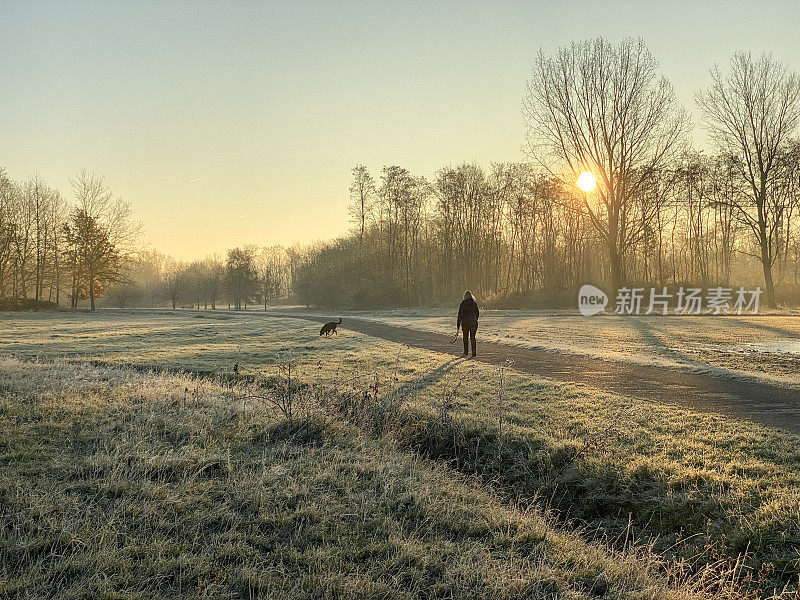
[{"x": 468, "y": 312}]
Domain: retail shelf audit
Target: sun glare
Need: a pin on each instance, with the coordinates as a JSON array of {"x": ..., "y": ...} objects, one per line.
[{"x": 586, "y": 181}]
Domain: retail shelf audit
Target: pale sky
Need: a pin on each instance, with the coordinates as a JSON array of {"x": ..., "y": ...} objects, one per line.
[{"x": 238, "y": 122}]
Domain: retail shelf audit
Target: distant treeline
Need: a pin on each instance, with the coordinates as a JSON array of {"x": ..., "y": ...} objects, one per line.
[
  {"x": 78, "y": 252},
  {"x": 245, "y": 276},
  {"x": 516, "y": 234}
]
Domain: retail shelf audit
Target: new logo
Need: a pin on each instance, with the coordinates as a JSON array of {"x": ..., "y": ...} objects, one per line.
[{"x": 591, "y": 300}]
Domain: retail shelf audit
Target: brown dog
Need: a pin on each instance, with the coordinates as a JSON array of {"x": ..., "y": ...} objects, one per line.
[{"x": 329, "y": 328}]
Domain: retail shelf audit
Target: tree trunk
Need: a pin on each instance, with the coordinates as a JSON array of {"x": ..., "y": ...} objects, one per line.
[
  {"x": 616, "y": 270},
  {"x": 769, "y": 285},
  {"x": 614, "y": 257},
  {"x": 767, "y": 266},
  {"x": 766, "y": 259},
  {"x": 91, "y": 289}
]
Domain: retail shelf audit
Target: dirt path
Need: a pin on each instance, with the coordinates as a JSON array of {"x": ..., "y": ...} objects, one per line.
[{"x": 759, "y": 402}]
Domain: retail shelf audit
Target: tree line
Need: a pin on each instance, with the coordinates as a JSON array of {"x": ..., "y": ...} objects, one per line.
[
  {"x": 52, "y": 251},
  {"x": 70, "y": 253},
  {"x": 661, "y": 214},
  {"x": 247, "y": 275},
  {"x": 517, "y": 234}
]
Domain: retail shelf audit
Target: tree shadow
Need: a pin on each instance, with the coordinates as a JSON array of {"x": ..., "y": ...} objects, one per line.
[
  {"x": 686, "y": 516},
  {"x": 419, "y": 384},
  {"x": 782, "y": 332},
  {"x": 646, "y": 332}
]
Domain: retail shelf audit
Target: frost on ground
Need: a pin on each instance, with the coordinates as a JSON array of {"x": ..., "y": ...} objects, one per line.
[
  {"x": 114, "y": 486},
  {"x": 765, "y": 347},
  {"x": 715, "y": 498},
  {"x": 212, "y": 341}
]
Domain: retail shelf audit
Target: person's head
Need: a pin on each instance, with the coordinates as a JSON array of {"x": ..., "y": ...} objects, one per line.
[{"x": 467, "y": 295}]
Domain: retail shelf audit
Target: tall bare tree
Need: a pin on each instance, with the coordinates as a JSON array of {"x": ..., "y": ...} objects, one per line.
[
  {"x": 271, "y": 272},
  {"x": 9, "y": 195},
  {"x": 215, "y": 276},
  {"x": 362, "y": 198},
  {"x": 750, "y": 114},
  {"x": 109, "y": 215},
  {"x": 602, "y": 107}
]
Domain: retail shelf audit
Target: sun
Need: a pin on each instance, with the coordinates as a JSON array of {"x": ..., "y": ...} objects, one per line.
[{"x": 586, "y": 181}]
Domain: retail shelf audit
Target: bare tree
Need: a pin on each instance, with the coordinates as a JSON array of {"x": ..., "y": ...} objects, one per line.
[
  {"x": 46, "y": 210},
  {"x": 175, "y": 282},
  {"x": 750, "y": 114},
  {"x": 56, "y": 215},
  {"x": 146, "y": 270},
  {"x": 271, "y": 272},
  {"x": 196, "y": 282},
  {"x": 601, "y": 107},
  {"x": 215, "y": 275},
  {"x": 124, "y": 295},
  {"x": 112, "y": 216},
  {"x": 9, "y": 196},
  {"x": 362, "y": 198},
  {"x": 241, "y": 278},
  {"x": 23, "y": 240}
]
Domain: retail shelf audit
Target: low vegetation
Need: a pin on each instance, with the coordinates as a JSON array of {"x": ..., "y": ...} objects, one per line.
[
  {"x": 19, "y": 304},
  {"x": 368, "y": 467},
  {"x": 118, "y": 484}
]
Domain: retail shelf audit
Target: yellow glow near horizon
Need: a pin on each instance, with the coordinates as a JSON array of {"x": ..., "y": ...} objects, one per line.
[{"x": 586, "y": 181}]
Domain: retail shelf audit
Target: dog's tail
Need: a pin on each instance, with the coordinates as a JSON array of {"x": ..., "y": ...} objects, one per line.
[{"x": 340, "y": 321}]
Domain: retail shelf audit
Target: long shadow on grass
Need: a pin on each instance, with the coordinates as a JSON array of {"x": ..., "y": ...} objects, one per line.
[
  {"x": 780, "y": 331},
  {"x": 691, "y": 517},
  {"x": 429, "y": 379}
]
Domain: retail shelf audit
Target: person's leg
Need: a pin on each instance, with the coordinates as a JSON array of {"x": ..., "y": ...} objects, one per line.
[
  {"x": 472, "y": 331},
  {"x": 465, "y": 333}
]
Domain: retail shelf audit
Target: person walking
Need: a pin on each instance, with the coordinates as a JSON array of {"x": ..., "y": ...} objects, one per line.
[{"x": 468, "y": 320}]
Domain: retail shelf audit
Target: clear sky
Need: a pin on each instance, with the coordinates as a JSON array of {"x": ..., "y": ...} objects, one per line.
[{"x": 238, "y": 122}]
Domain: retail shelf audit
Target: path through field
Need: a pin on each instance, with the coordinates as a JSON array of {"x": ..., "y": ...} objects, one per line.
[{"x": 763, "y": 403}]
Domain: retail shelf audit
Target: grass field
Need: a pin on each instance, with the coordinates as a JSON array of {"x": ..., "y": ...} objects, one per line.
[
  {"x": 136, "y": 463},
  {"x": 766, "y": 347}
]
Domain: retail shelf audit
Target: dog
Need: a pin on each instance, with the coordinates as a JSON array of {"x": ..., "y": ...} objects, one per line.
[{"x": 329, "y": 328}]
